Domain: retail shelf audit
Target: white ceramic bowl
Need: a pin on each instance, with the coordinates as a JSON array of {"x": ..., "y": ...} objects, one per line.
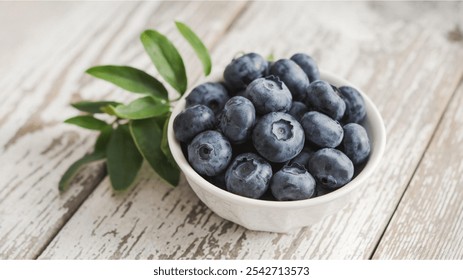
[{"x": 283, "y": 216}]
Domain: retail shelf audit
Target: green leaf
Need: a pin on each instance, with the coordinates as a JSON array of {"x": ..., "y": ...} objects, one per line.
[
  {"x": 99, "y": 153},
  {"x": 166, "y": 59},
  {"x": 93, "y": 107},
  {"x": 165, "y": 144},
  {"x": 103, "y": 139},
  {"x": 198, "y": 46},
  {"x": 109, "y": 109},
  {"x": 270, "y": 57},
  {"x": 148, "y": 137},
  {"x": 142, "y": 108},
  {"x": 123, "y": 159},
  {"x": 74, "y": 169},
  {"x": 88, "y": 122},
  {"x": 130, "y": 79}
]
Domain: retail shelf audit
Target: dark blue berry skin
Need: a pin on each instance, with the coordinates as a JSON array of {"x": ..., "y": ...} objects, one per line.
[
  {"x": 298, "y": 109},
  {"x": 213, "y": 95},
  {"x": 237, "y": 119},
  {"x": 308, "y": 64},
  {"x": 322, "y": 97},
  {"x": 303, "y": 157},
  {"x": 278, "y": 137},
  {"x": 193, "y": 120},
  {"x": 331, "y": 168},
  {"x": 248, "y": 175},
  {"x": 292, "y": 183},
  {"x": 293, "y": 77},
  {"x": 243, "y": 70},
  {"x": 269, "y": 94},
  {"x": 355, "y": 106},
  {"x": 209, "y": 153},
  {"x": 355, "y": 143},
  {"x": 322, "y": 130}
]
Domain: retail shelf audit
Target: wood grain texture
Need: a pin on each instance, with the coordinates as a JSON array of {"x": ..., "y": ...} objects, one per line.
[
  {"x": 36, "y": 147},
  {"x": 428, "y": 223},
  {"x": 406, "y": 64}
]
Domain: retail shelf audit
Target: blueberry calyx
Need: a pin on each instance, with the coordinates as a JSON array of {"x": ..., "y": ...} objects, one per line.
[
  {"x": 244, "y": 168},
  {"x": 205, "y": 151},
  {"x": 282, "y": 129}
]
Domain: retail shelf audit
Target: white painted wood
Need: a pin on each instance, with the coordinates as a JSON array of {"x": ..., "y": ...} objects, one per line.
[
  {"x": 428, "y": 223},
  {"x": 35, "y": 146},
  {"x": 406, "y": 64}
]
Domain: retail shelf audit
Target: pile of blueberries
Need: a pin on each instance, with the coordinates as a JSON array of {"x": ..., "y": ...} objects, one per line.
[{"x": 274, "y": 130}]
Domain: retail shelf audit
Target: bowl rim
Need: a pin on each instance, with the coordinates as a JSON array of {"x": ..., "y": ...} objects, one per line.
[{"x": 375, "y": 157}]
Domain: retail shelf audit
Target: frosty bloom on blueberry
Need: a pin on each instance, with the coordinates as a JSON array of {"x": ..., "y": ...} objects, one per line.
[
  {"x": 245, "y": 69},
  {"x": 209, "y": 153},
  {"x": 249, "y": 175},
  {"x": 237, "y": 119},
  {"x": 293, "y": 77},
  {"x": 307, "y": 64},
  {"x": 192, "y": 121},
  {"x": 355, "y": 106},
  {"x": 292, "y": 183},
  {"x": 322, "y": 130},
  {"x": 213, "y": 95},
  {"x": 331, "y": 168},
  {"x": 280, "y": 135},
  {"x": 321, "y": 97},
  {"x": 356, "y": 144},
  {"x": 269, "y": 94}
]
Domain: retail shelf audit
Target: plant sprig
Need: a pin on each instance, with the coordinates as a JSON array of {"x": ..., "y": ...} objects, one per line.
[{"x": 137, "y": 130}]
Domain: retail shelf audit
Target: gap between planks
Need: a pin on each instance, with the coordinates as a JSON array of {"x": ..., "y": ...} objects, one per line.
[
  {"x": 431, "y": 139},
  {"x": 381, "y": 248}
]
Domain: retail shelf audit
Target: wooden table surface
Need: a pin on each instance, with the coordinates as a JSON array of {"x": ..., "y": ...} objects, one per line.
[{"x": 408, "y": 57}]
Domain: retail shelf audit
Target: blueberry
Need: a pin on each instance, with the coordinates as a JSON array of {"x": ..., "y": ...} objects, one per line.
[
  {"x": 307, "y": 64},
  {"x": 245, "y": 69},
  {"x": 298, "y": 109},
  {"x": 322, "y": 97},
  {"x": 269, "y": 94},
  {"x": 293, "y": 77},
  {"x": 278, "y": 137},
  {"x": 303, "y": 157},
  {"x": 237, "y": 119},
  {"x": 213, "y": 95},
  {"x": 249, "y": 175},
  {"x": 192, "y": 121},
  {"x": 356, "y": 144},
  {"x": 355, "y": 106},
  {"x": 322, "y": 130},
  {"x": 331, "y": 168},
  {"x": 209, "y": 153},
  {"x": 292, "y": 183}
]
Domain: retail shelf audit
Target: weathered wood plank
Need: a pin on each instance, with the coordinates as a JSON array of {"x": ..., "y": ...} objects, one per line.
[
  {"x": 428, "y": 223},
  {"x": 35, "y": 144},
  {"x": 35, "y": 147},
  {"x": 404, "y": 63},
  {"x": 21, "y": 21}
]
